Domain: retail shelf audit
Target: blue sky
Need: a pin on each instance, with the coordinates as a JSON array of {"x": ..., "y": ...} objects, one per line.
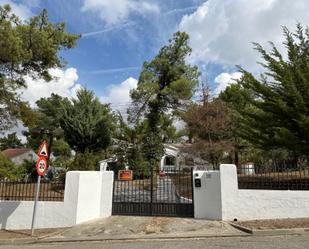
[
  {"x": 119, "y": 35},
  {"x": 119, "y": 51},
  {"x": 109, "y": 53}
]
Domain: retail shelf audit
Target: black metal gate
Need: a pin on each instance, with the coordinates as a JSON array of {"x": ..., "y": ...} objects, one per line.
[{"x": 155, "y": 193}]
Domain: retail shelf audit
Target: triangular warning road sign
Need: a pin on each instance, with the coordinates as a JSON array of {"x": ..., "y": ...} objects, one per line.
[{"x": 43, "y": 152}]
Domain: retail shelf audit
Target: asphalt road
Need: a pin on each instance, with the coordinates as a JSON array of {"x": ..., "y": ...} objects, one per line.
[{"x": 282, "y": 242}]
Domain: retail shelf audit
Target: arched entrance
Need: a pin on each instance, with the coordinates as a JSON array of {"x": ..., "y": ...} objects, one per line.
[{"x": 170, "y": 161}]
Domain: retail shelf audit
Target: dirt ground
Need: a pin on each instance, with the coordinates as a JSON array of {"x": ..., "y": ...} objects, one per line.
[
  {"x": 22, "y": 234},
  {"x": 276, "y": 223},
  {"x": 127, "y": 225},
  {"x": 140, "y": 226}
]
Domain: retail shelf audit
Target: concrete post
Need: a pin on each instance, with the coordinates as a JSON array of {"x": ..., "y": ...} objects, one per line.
[
  {"x": 207, "y": 198},
  {"x": 229, "y": 190}
]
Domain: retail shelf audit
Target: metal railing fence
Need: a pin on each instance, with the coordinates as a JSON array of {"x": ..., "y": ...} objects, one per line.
[
  {"x": 274, "y": 176},
  {"x": 21, "y": 190}
]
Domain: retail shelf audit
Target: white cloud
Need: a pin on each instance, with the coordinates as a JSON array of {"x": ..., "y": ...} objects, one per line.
[
  {"x": 22, "y": 10},
  {"x": 116, "y": 11},
  {"x": 221, "y": 31},
  {"x": 119, "y": 95},
  {"x": 223, "y": 80},
  {"x": 63, "y": 84},
  {"x": 106, "y": 30},
  {"x": 115, "y": 70},
  {"x": 181, "y": 10}
]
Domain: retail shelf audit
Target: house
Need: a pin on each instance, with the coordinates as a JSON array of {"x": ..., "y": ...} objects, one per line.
[
  {"x": 170, "y": 159},
  {"x": 18, "y": 155},
  {"x": 181, "y": 156}
]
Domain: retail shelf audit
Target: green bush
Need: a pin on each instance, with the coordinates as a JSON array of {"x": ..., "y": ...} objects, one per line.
[
  {"x": 8, "y": 169},
  {"x": 85, "y": 161},
  {"x": 61, "y": 162},
  {"x": 28, "y": 169}
]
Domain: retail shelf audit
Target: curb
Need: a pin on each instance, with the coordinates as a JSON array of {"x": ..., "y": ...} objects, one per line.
[
  {"x": 127, "y": 238},
  {"x": 24, "y": 241},
  {"x": 241, "y": 228},
  {"x": 54, "y": 233},
  {"x": 274, "y": 232},
  {"x": 141, "y": 238},
  {"x": 30, "y": 240},
  {"x": 247, "y": 233},
  {"x": 270, "y": 232}
]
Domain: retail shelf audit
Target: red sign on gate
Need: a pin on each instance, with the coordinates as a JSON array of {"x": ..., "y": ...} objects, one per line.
[{"x": 125, "y": 175}]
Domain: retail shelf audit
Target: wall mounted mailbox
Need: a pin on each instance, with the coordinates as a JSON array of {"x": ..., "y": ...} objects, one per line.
[{"x": 197, "y": 182}]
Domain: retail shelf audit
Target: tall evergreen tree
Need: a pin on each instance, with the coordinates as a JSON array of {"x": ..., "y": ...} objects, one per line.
[
  {"x": 276, "y": 105},
  {"x": 87, "y": 124},
  {"x": 27, "y": 48},
  {"x": 165, "y": 83},
  {"x": 47, "y": 120}
]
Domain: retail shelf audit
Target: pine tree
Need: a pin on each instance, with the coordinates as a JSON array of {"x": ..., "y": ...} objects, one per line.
[
  {"x": 165, "y": 83},
  {"x": 27, "y": 48}
]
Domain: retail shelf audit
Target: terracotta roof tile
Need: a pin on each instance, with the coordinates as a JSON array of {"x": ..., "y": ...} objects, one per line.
[{"x": 11, "y": 153}]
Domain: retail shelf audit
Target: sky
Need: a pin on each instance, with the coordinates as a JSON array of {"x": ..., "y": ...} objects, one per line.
[{"x": 119, "y": 35}]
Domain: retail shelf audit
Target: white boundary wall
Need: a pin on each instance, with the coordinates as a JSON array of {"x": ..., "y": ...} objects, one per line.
[
  {"x": 220, "y": 199},
  {"x": 88, "y": 195}
]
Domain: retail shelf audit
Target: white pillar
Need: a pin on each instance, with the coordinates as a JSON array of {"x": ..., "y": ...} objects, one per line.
[
  {"x": 94, "y": 196},
  {"x": 207, "y": 198},
  {"x": 218, "y": 190},
  {"x": 162, "y": 162},
  {"x": 88, "y": 195},
  {"x": 229, "y": 191}
]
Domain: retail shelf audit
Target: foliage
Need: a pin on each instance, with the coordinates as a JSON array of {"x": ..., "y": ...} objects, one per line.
[
  {"x": 63, "y": 155},
  {"x": 83, "y": 124},
  {"x": 61, "y": 162},
  {"x": 210, "y": 126},
  {"x": 87, "y": 124},
  {"x": 235, "y": 97},
  {"x": 276, "y": 105},
  {"x": 127, "y": 145},
  {"x": 29, "y": 170},
  {"x": 167, "y": 128},
  {"x": 165, "y": 83},
  {"x": 47, "y": 121},
  {"x": 10, "y": 141},
  {"x": 61, "y": 148},
  {"x": 27, "y": 48},
  {"x": 7, "y": 168},
  {"x": 85, "y": 161},
  {"x": 47, "y": 127}
]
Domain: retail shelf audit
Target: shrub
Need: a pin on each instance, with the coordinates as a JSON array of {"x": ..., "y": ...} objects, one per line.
[
  {"x": 7, "y": 168},
  {"x": 85, "y": 161}
]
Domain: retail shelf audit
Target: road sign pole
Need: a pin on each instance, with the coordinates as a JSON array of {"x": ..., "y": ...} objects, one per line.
[
  {"x": 41, "y": 167},
  {"x": 35, "y": 204}
]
